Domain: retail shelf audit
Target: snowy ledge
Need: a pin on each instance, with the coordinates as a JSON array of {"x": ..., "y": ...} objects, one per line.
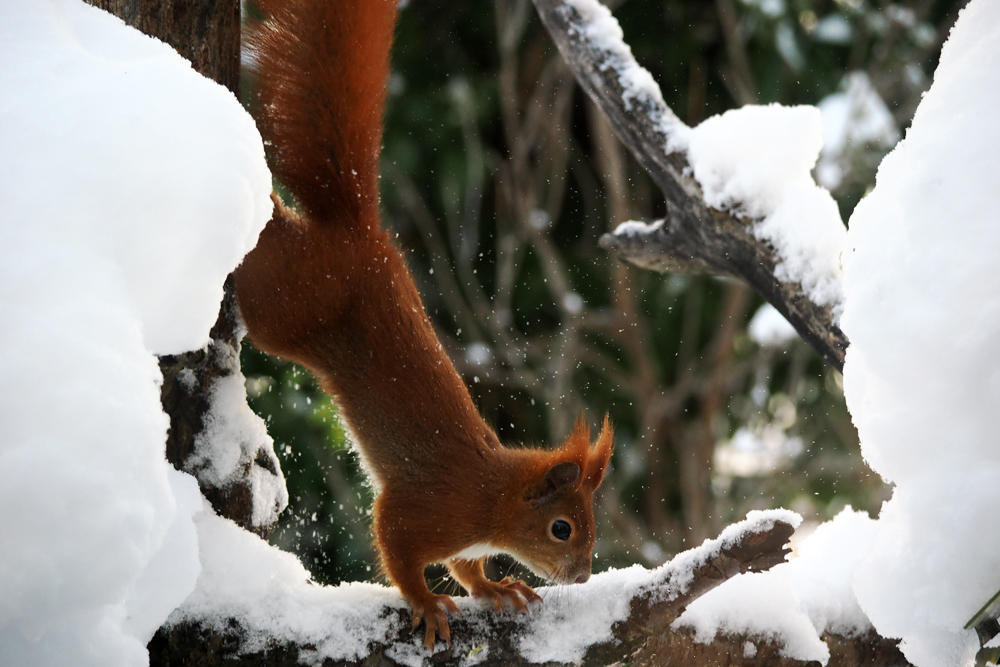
[
  {"x": 695, "y": 237},
  {"x": 260, "y": 611}
]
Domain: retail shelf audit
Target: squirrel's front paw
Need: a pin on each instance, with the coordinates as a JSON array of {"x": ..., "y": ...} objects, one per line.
[
  {"x": 435, "y": 621},
  {"x": 508, "y": 588}
]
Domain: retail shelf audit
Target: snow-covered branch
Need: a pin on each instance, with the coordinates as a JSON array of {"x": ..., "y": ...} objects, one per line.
[
  {"x": 214, "y": 435},
  {"x": 704, "y": 232},
  {"x": 619, "y": 615},
  {"x": 255, "y": 605}
]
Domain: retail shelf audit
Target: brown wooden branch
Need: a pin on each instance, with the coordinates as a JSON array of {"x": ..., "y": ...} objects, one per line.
[
  {"x": 186, "y": 395},
  {"x": 653, "y": 603},
  {"x": 644, "y": 638},
  {"x": 693, "y": 238},
  {"x": 680, "y": 649}
]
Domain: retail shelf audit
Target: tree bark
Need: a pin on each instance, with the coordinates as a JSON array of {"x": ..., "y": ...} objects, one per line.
[
  {"x": 693, "y": 238},
  {"x": 206, "y": 32}
]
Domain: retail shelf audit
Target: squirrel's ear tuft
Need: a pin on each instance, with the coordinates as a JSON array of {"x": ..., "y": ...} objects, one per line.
[
  {"x": 600, "y": 455},
  {"x": 558, "y": 478},
  {"x": 576, "y": 445}
]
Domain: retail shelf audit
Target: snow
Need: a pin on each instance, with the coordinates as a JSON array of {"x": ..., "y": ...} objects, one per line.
[
  {"x": 822, "y": 574},
  {"x": 273, "y": 597},
  {"x": 575, "y": 617},
  {"x": 571, "y": 618},
  {"x": 793, "y": 603},
  {"x": 769, "y": 328},
  {"x": 923, "y": 316},
  {"x": 637, "y": 228},
  {"x": 760, "y": 604},
  {"x": 756, "y": 161},
  {"x": 833, "y": 29},
  {"x": 922, "y": 375},
  {"x": 573, "y": 303},
  {"x": 232, "y": 441},
  {"x": 131, "y": 187},
  {"x": 270, "y": 595},
  {"x": 604, "y": 36},
  {"x": 853, "y": 120},
  {"x": 479, "y": 354},
  {"x": 856, "y": 114},
  {"x": 772, "y": 8},
  {"x": 787, "y": 44}
]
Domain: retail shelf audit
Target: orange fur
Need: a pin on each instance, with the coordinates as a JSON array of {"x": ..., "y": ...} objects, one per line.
[{"x": 327, "y": 288}]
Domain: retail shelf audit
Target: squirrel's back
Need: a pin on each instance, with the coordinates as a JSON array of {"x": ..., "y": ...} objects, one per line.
[{"x": 325, "y": 286}]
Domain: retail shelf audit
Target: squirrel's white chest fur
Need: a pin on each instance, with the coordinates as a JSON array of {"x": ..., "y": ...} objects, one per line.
[{"x": 477, "y": 551}]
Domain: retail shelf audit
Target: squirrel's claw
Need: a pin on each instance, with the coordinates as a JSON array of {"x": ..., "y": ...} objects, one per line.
[
  {"x": 434, "y": 618},
  {"x": 526, "y": 591},
  {"x": 508, "y": 588}
]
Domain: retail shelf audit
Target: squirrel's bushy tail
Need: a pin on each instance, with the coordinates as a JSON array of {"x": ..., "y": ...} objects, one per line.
[{"x": 322, "y": 68}]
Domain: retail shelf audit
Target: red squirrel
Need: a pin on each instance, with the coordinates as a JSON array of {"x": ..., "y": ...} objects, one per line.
[{"x": 326, "y": 287}]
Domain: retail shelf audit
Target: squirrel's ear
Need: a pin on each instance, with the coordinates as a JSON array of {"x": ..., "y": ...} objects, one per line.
[
  {"x": 600, "y": 455},
  {"x": 559, "y": 477}
]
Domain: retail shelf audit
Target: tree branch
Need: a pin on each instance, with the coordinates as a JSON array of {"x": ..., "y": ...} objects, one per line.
[
  {"x": 649, "y": 601},
  {"x": 653, "y": 601},
  {"x": 693, "y": 238}
]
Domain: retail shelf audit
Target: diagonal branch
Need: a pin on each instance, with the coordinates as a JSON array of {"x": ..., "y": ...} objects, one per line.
[{"x": 693, "y": 238}]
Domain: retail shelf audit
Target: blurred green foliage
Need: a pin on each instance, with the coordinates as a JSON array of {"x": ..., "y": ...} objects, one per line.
[
  {"x": 326, "y": 523},
  {"x": 462, "y": 154}
]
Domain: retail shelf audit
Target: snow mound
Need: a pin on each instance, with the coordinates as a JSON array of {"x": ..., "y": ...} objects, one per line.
[
  {"x": 757, "y": 161},
  {"x": 132, "y": 186},
  {"x": 922, "y": 375},
  {"x": 271, "y": 594},
  {"x": 796, "y": 602}
]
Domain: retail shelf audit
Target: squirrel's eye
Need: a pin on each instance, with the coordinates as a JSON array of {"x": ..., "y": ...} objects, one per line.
[{"x": 561, "y": 530}]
